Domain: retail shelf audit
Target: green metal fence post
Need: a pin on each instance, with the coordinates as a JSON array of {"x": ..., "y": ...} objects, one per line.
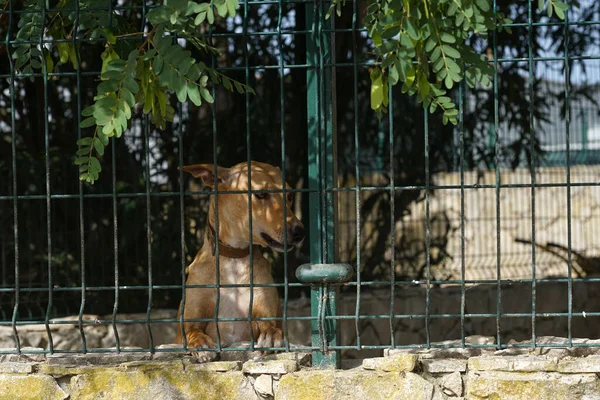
[{"x": 322, "y": 178}]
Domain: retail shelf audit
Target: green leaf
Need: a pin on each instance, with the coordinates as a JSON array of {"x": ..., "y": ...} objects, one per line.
[
  {"x": 200, "y": 18},
  {"x": 85, "y": 141},
  {"x": 194, "y": 94},
  {"x": 376, "y": 89},
  {"x": 447, "y": 38},
  {"x": 411, "y": 29},
  {"x": 95, "y": 164},
  {"x": 158, "y": 15},
  {"x": 201, "y": 7},
  {"x": 63, "y": 51},
  {"x": 206, "y": 95},
  {"x": 81, "y": 160},
  {"x": 394, "y": 75},
  {"x": 559, "y": 13},
  {"x": 86, "y": 123},
  {"x": 180, "y": 89},
  {"x": 450, "y": 51},
  {"x": 483, "y": 5},
  {"x": 222, "y": 9},
  {"x": 210, "y": 16},
  {"x": 99, "y": 146},
  {"x": 88, "y": 111}
]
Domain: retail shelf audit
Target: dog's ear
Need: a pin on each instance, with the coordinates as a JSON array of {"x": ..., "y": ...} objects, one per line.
[{"x": 206, "y": 173}]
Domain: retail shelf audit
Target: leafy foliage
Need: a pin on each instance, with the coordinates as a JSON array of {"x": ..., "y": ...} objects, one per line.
[
  {"x": 131, "y": 75},
  {"x": 425, "y": 46}
]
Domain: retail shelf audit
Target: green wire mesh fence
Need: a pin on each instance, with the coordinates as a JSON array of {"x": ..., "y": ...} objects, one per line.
[{"x": 435, "y": 220}]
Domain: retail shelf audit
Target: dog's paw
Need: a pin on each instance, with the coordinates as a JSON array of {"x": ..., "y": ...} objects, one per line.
[
  {"x": 199, "y": 339},
  {"x": 270, "y": 337},
  {"x": 204, "y": 356}
]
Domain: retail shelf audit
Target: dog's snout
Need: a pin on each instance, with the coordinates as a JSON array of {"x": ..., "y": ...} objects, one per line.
[{"x": 297, "y": 231}]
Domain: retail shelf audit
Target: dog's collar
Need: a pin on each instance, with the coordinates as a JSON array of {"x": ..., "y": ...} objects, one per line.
[{"x": 225, "y": 250}]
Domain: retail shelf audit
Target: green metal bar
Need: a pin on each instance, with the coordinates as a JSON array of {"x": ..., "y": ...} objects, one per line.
[
  {"x": 48, "y": 188},
  {"x": 532, "y": 166},
  {"x": 321, "y": 172},
  {"x": 463, "y": 300},
  {"x": 427, "y": 230},
  {"x": 392, "y": 220},
  {"x": 146, "y": 132},
  {"x": 357, "y": 177},
  {"x": 14, "y": 196},
  {"x": 80, "y": 188},
  {"x": 283, "y": 173},
  {"x": 568, "y": 151},
  {"x": 497, "y": 188}
]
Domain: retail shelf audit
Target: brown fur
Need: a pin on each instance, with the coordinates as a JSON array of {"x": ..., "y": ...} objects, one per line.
[{"x": 233, "y": 231}]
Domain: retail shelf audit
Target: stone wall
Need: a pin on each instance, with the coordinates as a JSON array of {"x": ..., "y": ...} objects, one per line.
[{"x": 472, "y": 373}]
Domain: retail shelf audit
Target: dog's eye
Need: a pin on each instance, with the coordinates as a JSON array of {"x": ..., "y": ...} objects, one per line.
[{"x": 261, "y": 196}]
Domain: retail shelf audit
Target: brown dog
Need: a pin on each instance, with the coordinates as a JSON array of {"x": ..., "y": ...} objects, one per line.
[{"x": 268, "y": 230}]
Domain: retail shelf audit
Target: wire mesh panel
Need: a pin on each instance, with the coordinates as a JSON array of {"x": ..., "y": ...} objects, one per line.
[{"x": 484, "y": 228}]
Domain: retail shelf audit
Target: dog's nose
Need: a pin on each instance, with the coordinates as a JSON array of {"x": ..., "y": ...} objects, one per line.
[{"x": 297, "y": 231}]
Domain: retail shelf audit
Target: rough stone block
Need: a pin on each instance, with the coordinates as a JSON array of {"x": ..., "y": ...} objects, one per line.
[
  {"x": 452, "y": 384},
  {"x": 486, "y": 363},
  {"x": 303, "y": 358},
  {"x": 218, "y": 366},
  {"x": 434, "y": 366},
  {"x": 395, "y": 363},
  {"x": 579, "y": 365},
  {"x": 531, "y": 385},
  {"x": 270, "y": 367},
  {"x": 96, "y": 358},
  {"x": 461, "y": 353},
  {"x": 356, "y": 385},
  {"x": 161, "y": 383},
  {"x": 264, "y": 385},
  {"x": 14, "y": 357},
  {"x": 35, "y": 386},
  {"x": 16, "y": 367},
  {"x": 513, "y": 363}
]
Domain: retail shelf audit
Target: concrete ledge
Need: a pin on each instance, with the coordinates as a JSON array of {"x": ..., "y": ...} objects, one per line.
[{"x": 403, "y": 374}]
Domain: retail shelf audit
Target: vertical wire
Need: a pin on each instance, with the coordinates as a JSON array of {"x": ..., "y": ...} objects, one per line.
[
  {"x": 115, "y": 246},
  {"x": 357, "y": 174},
  {"x": 80, "y": 184},
  {"x": 461, "y": 96},
  {"x": 249, "y": 158},
  {"x": 497, "y": 189},
  {"x": 216, "y": 194},
  {"x": 115, "y": 222},
  {"x": 283, "y": 176},
  {"x": 48, "y": 192},
  {"x": 321, "y": 130},
  {"x": 568, "y": 148},
  {"x": 182, "y": 239},
  {"x": 427, "y": 229},
  {"x": 14, "y": 179},
  {"x": 532, "y": 167},
  {"x": 392, "y": 220},
  {"x": 146, "y": 132}
]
